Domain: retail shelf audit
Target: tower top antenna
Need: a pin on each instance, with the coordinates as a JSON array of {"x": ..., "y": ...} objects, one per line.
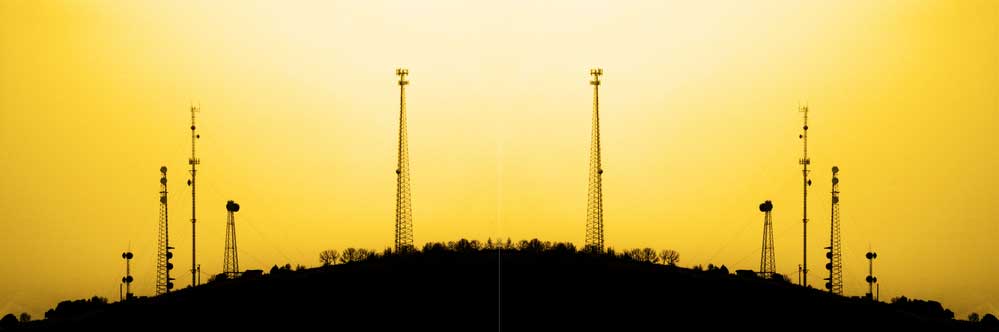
[
  {"x": 402, "y": 73},
  {"x": 596, "y": 73}
]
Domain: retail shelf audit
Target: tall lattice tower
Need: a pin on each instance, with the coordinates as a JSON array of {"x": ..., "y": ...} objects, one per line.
[
  {"x": 595, "y": 198},
  {"x": 768, "y": 265},
  {"x": 835, "y": 265},
  {"x": 805, "y": 183},
  {"x": 163, "y": 254},
  {"x": 230, "y": 264},
  {"x": 403, "y": 198},
  {"x": 194, "y": 162}
]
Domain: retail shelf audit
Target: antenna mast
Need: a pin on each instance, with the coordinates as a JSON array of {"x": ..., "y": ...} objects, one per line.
[
  {"x": 871, "y": 279},
  {"x": 194, "y": 162},
  {"x": 163, "y": 266},
  {"x": 804, "y": 161},
  {"x": 595, "y": 199},
  {"x": 403, "y": 201},
  {"x": 835, "y": 265},
  {"x": 768, "y": 265},
  {"x": 230, "y": 264},
  {"x": 127, "y": 279}
]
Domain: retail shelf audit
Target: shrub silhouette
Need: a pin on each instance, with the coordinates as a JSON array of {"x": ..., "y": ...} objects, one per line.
[
  {"x": 990, "y": 321},
  {"x": 8, "y": 322},
  {"x": 923, "y": 308},
  {"x": 71, "y": 308}
]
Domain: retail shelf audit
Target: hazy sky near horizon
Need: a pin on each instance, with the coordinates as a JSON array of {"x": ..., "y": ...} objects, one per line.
[{"x": 699, "y": 125}]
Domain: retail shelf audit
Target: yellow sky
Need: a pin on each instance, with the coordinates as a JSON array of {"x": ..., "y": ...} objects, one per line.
[{"x": 699, "y": 125}]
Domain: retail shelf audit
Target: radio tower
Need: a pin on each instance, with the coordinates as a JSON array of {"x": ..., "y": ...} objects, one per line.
[
  {"x": 403, "y": 202},
  {"x": 163, "y": 266},
  {"x": 768, "y": 265},
  {"x": 835, "y": 265},
  {"x": 230, "y": 264},
  {"x": 194, "y": 162},
  {"x": 595, "y": 199},
  {"x": 804, "y": 161}
]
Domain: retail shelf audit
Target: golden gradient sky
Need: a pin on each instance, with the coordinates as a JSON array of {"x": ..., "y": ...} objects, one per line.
[{"x": 699, "y": 119}]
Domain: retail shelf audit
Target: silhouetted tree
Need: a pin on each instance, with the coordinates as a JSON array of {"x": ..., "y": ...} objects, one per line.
[
  {"x": 534, "y": 245},
  {"x": 434, "y": 247},
  {"x": 990, "y": 321},
  {"x": 368, "y": 254},
  {"x": 356, "y": 255},
  {"x": 349, "y": 255},
  {"x": 648, "y": 255},
  {"x": 8, "y": 322},
  {"x": 489, "y": 243},
  {"x": 328, "y": 257},
  {"x": 25, "y": 317},
  {"x": 563, "y": 248},
  {"x": 464, "y": 245},
  {"x": 629, "y": 254},
  {"x": 670, "y": 257},
  {"x": 300, "y": 267},
  {"x": 973, "y": 317}
]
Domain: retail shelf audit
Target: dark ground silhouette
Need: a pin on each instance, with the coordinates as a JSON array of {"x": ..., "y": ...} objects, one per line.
[{"x": 458, "y": 287}]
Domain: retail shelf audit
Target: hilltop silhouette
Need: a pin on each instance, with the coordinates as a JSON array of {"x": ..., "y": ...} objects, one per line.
[{"x": 529, "y": 285}]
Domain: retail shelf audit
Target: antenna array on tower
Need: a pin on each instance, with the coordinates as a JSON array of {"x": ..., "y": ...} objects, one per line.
[
  {"x": 163, "y": 255},
  {"x": 595, "y": 199},
  {"x": 230, "y": 263},
  {"x": 835, "y": 265},
  {"x": 403, "y": 200},
  {"x": 805, "y": 183},
  {"x": 871, "y": 279},
  {"x": 194, "y": 162},
  {"x": 768, "y": 265}
]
